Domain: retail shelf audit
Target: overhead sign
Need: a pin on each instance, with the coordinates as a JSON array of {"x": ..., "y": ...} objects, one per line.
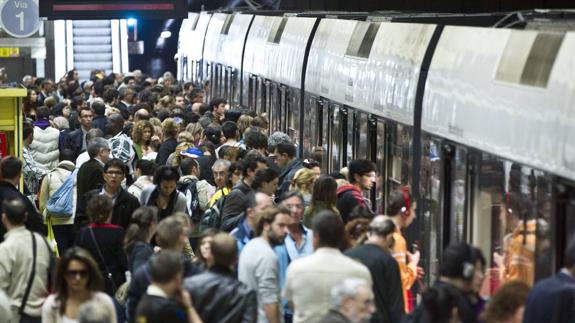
[
  {"x": 19, "y": 18},
  {"x": 113, "y": 9}
]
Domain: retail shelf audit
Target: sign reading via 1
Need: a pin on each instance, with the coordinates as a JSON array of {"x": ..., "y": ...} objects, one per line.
[{"x": 19, "y": 18}]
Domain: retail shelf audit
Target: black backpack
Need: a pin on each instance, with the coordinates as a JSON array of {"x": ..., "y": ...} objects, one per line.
[
  {"x": 212, "y": 218},
  {"x": 190, "y": 191}
]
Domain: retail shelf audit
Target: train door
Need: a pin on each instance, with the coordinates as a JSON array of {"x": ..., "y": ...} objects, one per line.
[
  {"x": 253, "y": 93},
  {"x": 564, "y": 224},
  {"x": 313, "y": 127},
  {"x": 274, "y": 112},
  {"x": 338, "y": 142}
]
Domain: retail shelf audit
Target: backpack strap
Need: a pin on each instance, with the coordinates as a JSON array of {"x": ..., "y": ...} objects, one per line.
[{"x": 31, "y": 279}]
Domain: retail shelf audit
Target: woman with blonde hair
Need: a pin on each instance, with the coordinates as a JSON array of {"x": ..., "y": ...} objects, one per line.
[
  {"x": 197, "y": 132},
  {"x": 142, "y": 134},
  {"x": 303, "y": 183},
  {"x": 244, "y": 122}
]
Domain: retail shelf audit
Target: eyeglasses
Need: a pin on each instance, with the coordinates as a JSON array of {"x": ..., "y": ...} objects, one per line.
[
  {"x": 115, "y": 174},
  {"x": 297, "y": 206},
  {"x": 370, "y": 175},
  {"x": 75, "y": 273}
]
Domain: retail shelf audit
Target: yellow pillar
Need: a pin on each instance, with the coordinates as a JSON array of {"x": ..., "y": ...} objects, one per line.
[{"x": 11, "y": 119}]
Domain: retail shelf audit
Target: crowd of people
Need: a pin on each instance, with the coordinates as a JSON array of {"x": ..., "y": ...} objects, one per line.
[{"x": 142, "y": 203}]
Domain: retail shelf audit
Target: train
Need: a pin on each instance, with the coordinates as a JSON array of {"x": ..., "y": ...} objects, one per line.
[{"x": 472, "y": 112}]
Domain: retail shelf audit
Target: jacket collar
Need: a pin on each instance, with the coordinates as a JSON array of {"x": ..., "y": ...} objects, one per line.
[{"x": 67, "y": 165}]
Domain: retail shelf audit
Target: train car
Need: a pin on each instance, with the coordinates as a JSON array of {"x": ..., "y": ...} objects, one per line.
[
  {"x": 474, "y": 120},
  {"x": 191, "y": 46}
]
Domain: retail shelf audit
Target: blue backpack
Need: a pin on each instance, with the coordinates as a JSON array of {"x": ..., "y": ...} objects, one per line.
[{"x": 60, "y": 204}]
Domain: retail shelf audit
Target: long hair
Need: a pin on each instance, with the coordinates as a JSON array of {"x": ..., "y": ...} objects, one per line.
[
  {"x": 324, "y": 191},
  {"x": 95, "y": 280},
  {"x": 138, "y": 131},
  {"x": 302, "y": 180},
  {"x": 142, "y": 219}
]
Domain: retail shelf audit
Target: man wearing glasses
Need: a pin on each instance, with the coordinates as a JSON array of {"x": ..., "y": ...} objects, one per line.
[
  {"x": 124, "y": 203},
  {"x": 350, "y": 198}
]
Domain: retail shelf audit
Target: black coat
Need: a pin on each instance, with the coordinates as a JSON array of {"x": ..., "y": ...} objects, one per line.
[
  {"x": 34, "y": 221},
  {"x": 235, "y": 204},
  {"x": 124, "y": 207},
  {"x": 286, "y": 176},
  {"x": 141, "y": 280},
  {"x": 100, "y": 123},
  {"x": 386, "y": 281},
  {"x": 551, "y": 300},
  {"x": 110, "y": 239},
  {"x": 90, "y": 176},
  {"x": 156, "y": 309},
  {"x": 220, "y": 297},
  {"x": 75, "y": 141},
  {"x": 165, "y": 150}
]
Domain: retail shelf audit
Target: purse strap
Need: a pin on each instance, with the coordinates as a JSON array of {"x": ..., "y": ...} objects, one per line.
[
  {"x": 31, "y": 279},
  {"x": 108, "y": 273}
]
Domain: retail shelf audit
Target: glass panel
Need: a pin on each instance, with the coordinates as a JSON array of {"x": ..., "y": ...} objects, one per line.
[
  {"x": 312, "y": 124},
  {"x": 293, "y": 99},
  {"x": 325, "y": 136},
  {"x": 458, "y": 187},
  {"x": 381, "y": 165},
  {"x": 431, "y": 206},
  {"x": 399, "y": 173},
  {"x": 351, "y": 133},
  {"x": 362, "y": 131},
  {"x": 336, "y": 139}
]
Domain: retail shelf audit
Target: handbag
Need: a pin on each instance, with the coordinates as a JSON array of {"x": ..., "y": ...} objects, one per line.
[
  {"x": 58, "y": 205},
  {"x": 51, "y": 237},
  {"x": 108, "y": 273}
]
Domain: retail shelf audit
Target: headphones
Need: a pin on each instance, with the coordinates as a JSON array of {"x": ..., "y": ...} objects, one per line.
[
  {"x": 405, "y": 209},
  {"x": 468, "y": 269}
]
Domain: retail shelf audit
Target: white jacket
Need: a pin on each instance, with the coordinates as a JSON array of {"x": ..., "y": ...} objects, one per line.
[
  {"x": 44, "y": 147},
  {"x": 53, "y": 180}
]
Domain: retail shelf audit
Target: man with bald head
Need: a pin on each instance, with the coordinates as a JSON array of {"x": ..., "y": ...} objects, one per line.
[
  {"x": 376, "y": 256},
  {"x": 244, "y": 232},
  {"x": 217, "y": 294},
  {"x": 141, "y": 114}
]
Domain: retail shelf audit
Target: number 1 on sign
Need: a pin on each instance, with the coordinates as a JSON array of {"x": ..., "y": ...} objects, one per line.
[{"x": 21, "y": 17}]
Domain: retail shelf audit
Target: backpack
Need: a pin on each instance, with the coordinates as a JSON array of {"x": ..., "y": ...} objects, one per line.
[
  {"x": 60, "y": 205},
  {"x": 190, "y": 191},
  {"x": 212, "y": 218}
]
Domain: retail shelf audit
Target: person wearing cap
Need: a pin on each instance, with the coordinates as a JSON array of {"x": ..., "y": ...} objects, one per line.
[{"x": 375, "y": 254}]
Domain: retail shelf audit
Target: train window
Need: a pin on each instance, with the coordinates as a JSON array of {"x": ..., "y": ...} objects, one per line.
[
  {"x": 361, "y": 130},
  {"x": 380, "y": 162},
  {"x": 312, "y": 127},
  {"x": 277, "y": 31},
  {"x": 541, "y": 59},
  {"x": 512, "y": 222},
  {"x": 458, "y": 189},
  {"x": 400, "y": 142},
  {"x": 430, "y": 205},
  {"x": 351, "y": 141},
  {"x": 325, "y": 136},
  {"x": 293, "y": 98},
  {"x": 227, "y": 24},
  {"x": 336, "y": 141},
  {"x": 362, "y": 39}
]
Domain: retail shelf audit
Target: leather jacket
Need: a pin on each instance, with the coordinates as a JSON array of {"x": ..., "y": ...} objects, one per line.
[{"x": 220, "y": 297}]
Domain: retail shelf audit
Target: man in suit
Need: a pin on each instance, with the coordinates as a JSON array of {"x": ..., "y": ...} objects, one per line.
[
  {"x": 77, "y": 139},
  {"x": 91, "y": 173},
  {"x": 553, "y": 299}
]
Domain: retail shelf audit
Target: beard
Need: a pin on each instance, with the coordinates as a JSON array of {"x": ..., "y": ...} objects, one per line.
[{"x": 274, "y": 239}]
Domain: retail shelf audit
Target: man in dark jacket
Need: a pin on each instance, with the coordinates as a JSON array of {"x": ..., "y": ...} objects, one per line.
[
  {"x": 170, "y": 235},
  {"x": 361, "y": 176},
  {"x": 91, "y": 173},
  {"x": 553, "y": 299},
  {"x": 217, "y": 294},
  {"x": 76, "y": 140},
  {"x": 160, "y": 303},
  {"x": 375, "y": 255},
  {"x": 99, "y": 120},
  {"x": 236, "y": 202},
  {"x": 286, "y": 159},
  {"x": 11, "y": 169},
  {"x": 124, "y": 203}
]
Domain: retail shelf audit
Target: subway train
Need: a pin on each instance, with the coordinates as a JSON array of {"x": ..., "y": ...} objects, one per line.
[{"x": 473, "y": 113}]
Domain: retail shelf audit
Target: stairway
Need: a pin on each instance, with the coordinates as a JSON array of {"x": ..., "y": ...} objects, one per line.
[{"x": 92, "y": 49}]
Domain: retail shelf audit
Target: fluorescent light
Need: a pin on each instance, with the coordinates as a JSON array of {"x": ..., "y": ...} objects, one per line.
[
  {"x": 166, "y": 34},
  {"x": 132, "y": 22}
]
